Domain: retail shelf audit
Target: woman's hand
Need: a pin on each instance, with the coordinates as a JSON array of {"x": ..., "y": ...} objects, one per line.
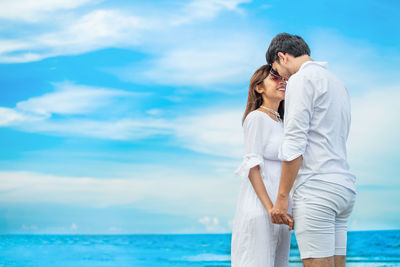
[
  {"x": 279, "y": 213},
  {"x": 289, "y": 221}
]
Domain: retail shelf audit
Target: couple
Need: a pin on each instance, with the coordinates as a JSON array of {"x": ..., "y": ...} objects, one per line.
[{"x": 295, "y": 170}]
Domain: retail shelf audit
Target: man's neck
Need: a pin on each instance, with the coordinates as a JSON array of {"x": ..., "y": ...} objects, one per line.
[{"x": 298, "y": 61}]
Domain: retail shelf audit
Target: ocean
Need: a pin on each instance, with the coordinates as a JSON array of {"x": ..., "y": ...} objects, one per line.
[{"x": 366, "y": 248}]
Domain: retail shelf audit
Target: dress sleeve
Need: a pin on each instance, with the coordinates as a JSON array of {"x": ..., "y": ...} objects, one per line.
[
  {"x": 298, "y": 113},
  {"x": 254, "y": 135}
]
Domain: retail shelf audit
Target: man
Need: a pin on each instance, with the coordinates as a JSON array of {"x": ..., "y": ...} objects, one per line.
[{"x": 313, "y": 154}]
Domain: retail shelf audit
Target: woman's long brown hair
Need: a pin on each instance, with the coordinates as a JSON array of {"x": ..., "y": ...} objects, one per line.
[{"x": 254, "y": 99}]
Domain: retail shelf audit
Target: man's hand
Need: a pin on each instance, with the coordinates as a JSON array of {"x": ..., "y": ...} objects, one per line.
[{"x": 279, "y": 214}]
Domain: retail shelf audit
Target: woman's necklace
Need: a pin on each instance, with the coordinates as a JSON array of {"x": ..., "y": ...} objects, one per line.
[{"x": 273, "y": 112}]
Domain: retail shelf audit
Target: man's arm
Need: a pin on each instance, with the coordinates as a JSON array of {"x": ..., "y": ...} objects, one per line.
[
  {"x": 299, "y": 102},
  {"x": 289, "y": 173}
]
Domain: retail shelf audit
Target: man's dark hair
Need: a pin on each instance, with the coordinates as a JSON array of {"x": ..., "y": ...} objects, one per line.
[{"x": 286, "y": 43}]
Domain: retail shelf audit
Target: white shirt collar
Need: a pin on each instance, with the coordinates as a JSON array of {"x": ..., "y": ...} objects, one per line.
[{"x": 319, "y": 63}]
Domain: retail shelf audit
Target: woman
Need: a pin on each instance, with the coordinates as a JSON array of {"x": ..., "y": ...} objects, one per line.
[{"x": 256, "y": 241}]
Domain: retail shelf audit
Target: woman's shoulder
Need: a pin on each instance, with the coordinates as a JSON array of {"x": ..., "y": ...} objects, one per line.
[
  {"x": 260, "y": 119},
  {"x": 256, "y": 114},
  {"x": 256, "y": 117}
]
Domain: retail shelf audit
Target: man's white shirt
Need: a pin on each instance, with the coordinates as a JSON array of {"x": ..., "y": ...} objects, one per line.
[{"x": 316, "y": 125}]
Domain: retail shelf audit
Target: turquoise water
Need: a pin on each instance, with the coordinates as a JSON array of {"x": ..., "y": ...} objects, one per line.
[{"x": 372, "y": 248}]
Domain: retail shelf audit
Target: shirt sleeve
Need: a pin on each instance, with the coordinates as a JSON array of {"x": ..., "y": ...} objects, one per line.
[
  {"x": 255, "y": 132},
  {"x": 299, "y": 101}
]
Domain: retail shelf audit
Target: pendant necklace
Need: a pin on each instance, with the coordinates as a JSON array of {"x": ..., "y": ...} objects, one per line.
[{"x": 273, "y": 112}]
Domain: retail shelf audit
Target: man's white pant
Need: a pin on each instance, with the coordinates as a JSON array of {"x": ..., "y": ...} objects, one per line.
[{"x": 320, "y": 211}]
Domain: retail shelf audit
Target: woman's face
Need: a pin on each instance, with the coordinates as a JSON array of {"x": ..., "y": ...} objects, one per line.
[{"x": 274, "y": 87}]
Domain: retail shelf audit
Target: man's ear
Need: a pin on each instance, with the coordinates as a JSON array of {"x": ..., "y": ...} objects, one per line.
[{"x": 282, "y": 57}]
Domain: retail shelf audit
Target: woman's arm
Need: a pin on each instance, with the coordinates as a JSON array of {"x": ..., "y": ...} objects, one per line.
[
  {"x": 261, "y": 191},
  {"x": 256, "y": 134},
  {"x": 259, "y": 187}
]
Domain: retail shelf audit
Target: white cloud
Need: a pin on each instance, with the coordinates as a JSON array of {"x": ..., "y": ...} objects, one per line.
[
  {"x": 376, "y": 207},
  {"x": 77, "y": 104},
  {"x": 212, "y": 224},
  {"x": 155, "y": 111},
  {"x": 215, "y": 221},
  {"x": 12, "y": 45},
  {"x": 167, "y": 193},
  {"x": 71, "y": 99},
  {"x": 119, "y": 129},
  {"x": 356, "y": 62},
  {"x": 210, "y": 131},
  {"x": 115, "y": 230},
  {"x": 21, "y": 57},
  {"x": 229, "y": 60},
  {"x": 213, "y": 131},
  {"x": 28, "y": 228},
  {"x": 206, "y": 9},
  {"x": 182, "y": 55},
  {"x": 9, "y": 116},
  {"x": 74, "y": 227},
  {"x": 205, "y": 220},
  {"x": 374, "y": 136},
  {"x": 374, "y": 131},
  {"x": 33, "y": 11},
  {"x": 97, "y": 29}
]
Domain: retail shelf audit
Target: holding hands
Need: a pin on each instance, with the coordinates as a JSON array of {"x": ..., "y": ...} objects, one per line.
[{"x": 279, "y": 214}]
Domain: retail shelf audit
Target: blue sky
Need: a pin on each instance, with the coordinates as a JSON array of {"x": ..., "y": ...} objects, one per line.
[{"x": 124, "y": 117}]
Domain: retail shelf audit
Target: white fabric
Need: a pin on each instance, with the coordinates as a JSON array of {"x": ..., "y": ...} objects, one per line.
[
  {"x": 320, "y": 211},
  {"x": 317, "y": 123},
  {"x": 256, "y": 241},
  {"x": 249, "y": 161}
]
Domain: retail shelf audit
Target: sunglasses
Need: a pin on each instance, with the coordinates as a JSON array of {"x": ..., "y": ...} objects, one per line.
[{"x": 276, "y": 77}]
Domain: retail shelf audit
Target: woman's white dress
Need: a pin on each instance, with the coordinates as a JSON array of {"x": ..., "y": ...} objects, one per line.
[{"x": 256, "y": 241}]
